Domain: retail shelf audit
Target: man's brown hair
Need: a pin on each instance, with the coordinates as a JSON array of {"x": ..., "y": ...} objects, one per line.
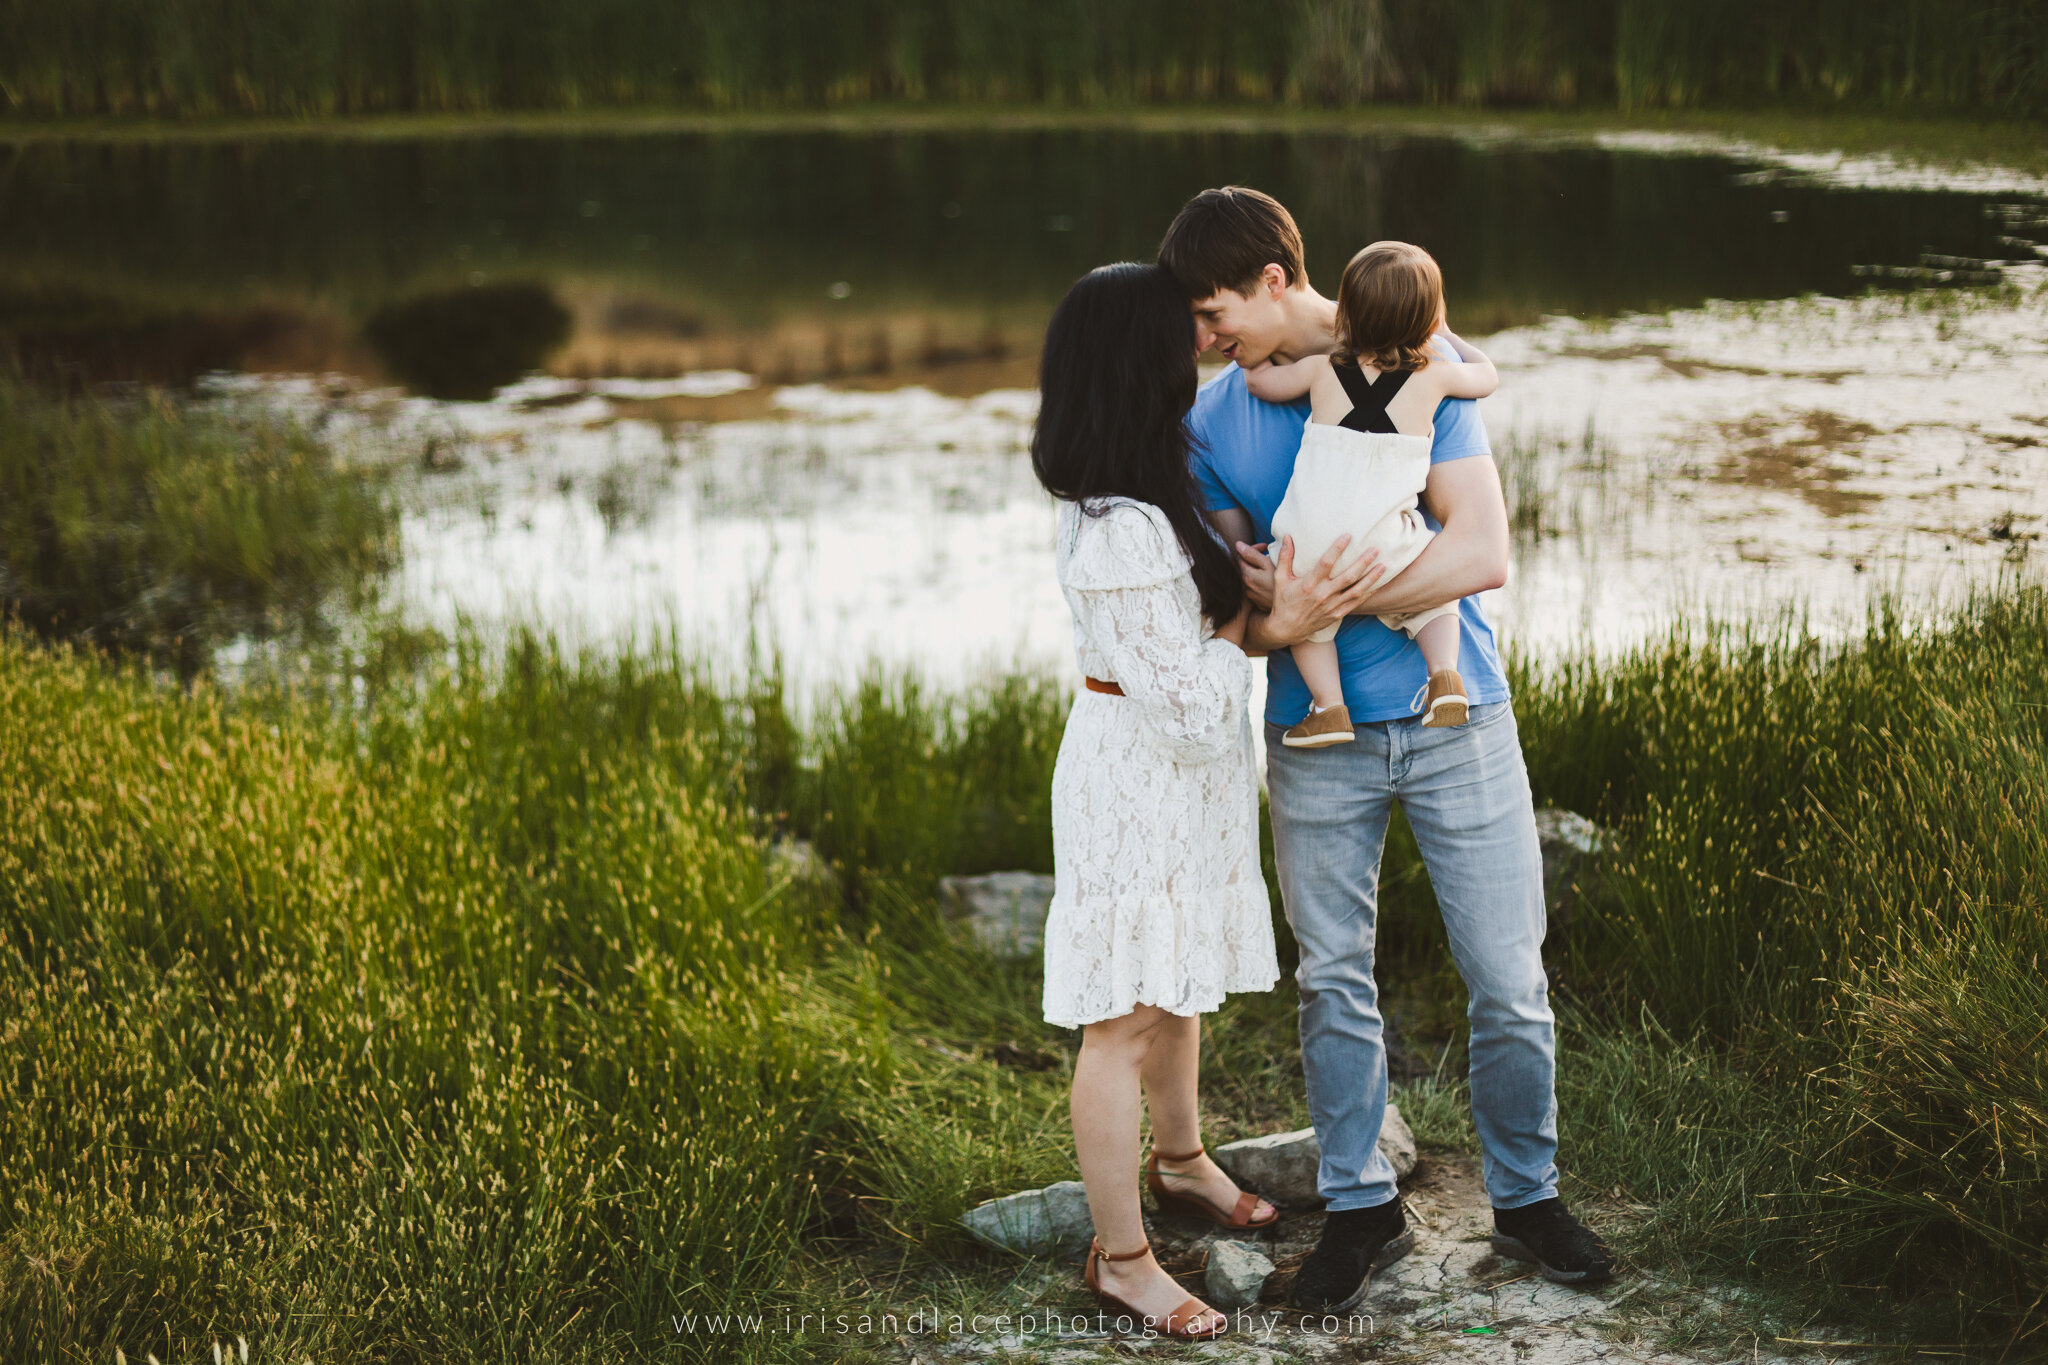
[
  {"x": 1387, "y": 306},
  {"x": 1222, "y": 238}
]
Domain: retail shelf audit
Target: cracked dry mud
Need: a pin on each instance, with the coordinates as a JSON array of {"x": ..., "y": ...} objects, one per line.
[{"x": 1452, "y": 1299}]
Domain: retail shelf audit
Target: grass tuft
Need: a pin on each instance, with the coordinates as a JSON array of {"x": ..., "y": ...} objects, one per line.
[{"x": 157, "y": 528}]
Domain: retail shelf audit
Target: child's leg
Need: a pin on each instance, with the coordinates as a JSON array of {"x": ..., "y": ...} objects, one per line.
[
  {"x": 1439, "y": 640},
  {"x": 1329, "y": 723},
  {"x": 1318, "y": 665},
  {"x": 1442, "y": 698}
]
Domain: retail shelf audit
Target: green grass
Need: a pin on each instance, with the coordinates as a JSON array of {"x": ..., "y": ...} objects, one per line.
[
  {"x": 474, "y": 1018},
  {"x": 1834, "y": 896},
  {"x": 476, "y": 1005},
  {"x": 311, "y": 1012},
  {"x": 165, "y": 529}
]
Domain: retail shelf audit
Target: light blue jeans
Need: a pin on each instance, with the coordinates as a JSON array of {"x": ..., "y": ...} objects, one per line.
[{"x": 1466, "y": 794}]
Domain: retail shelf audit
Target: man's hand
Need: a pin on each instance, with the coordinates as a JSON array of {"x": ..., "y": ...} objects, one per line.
[
  {"x": 1299, "y": 605},
  {"x": 1290, "y": 607}
]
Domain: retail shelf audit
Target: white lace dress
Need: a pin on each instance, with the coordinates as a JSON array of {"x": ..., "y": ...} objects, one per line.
[{"x": 1158, "y": 898}]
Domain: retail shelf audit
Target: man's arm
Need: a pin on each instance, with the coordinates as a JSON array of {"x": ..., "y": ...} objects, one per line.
[
  {"x": 1469, "y": 555},
  {"x": 1234, "y": 524}
]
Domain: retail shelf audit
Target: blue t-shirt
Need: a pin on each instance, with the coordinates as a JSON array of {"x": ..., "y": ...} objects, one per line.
[{"x": 1244, "y": 459}]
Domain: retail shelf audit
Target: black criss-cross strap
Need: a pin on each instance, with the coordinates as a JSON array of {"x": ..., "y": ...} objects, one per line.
[{"x": 1368, "y": 400}]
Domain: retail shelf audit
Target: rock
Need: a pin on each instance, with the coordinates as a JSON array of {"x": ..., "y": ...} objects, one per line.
[
  {"x": 1282, "y": 1166},
  {"x": 1003, "y": 911},
  {"x": 1237, "y": 1272},
  {"x": 1571, "y": 845},
  {"x": 1053, "y": 1221},
  {"x": 1397, "y": 1142},
  {"x": 797, "y": 862}
]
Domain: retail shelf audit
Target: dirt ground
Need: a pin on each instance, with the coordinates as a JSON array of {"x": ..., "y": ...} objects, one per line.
[{"x": 1452, "y": 1299}]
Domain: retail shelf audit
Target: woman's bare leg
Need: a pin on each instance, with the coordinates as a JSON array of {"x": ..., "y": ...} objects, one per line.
[
  {"x": 1171, "y": 1073},
  {"x": 1104, "y": 1109}
]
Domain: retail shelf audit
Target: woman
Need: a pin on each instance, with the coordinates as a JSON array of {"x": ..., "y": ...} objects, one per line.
[{"x": 1159, "y": 907}]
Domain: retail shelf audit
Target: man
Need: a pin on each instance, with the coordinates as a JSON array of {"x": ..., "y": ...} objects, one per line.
[{"x": 1237, "y": 254}]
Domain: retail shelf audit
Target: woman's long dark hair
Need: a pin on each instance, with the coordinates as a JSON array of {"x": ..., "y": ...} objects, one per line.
[{"x": 1115, "y": 385}]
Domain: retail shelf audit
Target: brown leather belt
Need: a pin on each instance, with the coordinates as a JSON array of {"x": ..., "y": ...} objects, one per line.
[{"x": 1106, "y": 688}]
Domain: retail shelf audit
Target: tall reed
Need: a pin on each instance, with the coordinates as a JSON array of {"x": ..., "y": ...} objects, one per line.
[
  {"x": 324, "y": 57},
  {"x": 1834, "y": 884}
]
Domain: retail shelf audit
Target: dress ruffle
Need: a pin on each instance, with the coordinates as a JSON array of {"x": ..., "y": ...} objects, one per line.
[{"x": 1183, "y": 956}]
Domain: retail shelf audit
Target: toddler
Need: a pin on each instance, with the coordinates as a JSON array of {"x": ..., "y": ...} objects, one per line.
[{"x": 1364, "y": 458}]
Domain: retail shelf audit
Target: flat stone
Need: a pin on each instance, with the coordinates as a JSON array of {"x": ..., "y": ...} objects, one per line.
[
  {"x": 1235, "y": 1353},
  {"x": 1053, "y": 1221},
  {"x": 1003, "y": 911},
  {"x": 1282, "y": 1166},
  {"x": 1236, "y": 1274},
  {"x": 798, "y": 862},
  {"x": 1569, "y": 830},
  {"x": 1571, "y": 845},
  {"x": 1540, "y": 1301},
  {"x": 1397, "y": 1142}
]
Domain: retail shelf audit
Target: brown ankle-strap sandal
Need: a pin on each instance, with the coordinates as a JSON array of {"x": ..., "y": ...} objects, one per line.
[
  {"x": 1194, "y": 1205},
  {"x": 1179, "y": 1324}
]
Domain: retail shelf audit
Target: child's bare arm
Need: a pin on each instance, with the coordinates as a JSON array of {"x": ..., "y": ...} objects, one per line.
[
  {"x": 1476, "y": 378},
  {"x": 1283, "y": 383}
]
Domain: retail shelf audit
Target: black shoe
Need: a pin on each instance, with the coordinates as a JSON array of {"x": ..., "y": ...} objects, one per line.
[
  {"x": 1562, "y": 1247},
  {"x": 1355, "y": 1243}
]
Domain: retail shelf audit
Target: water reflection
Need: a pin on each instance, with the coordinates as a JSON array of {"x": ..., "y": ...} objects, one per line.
[
  {"x": 808, "y": 256},
  {"x": 788, "y": 378}
]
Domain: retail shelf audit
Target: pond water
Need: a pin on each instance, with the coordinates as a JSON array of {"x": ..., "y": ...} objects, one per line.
[{"x": 773, "y": 390}]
